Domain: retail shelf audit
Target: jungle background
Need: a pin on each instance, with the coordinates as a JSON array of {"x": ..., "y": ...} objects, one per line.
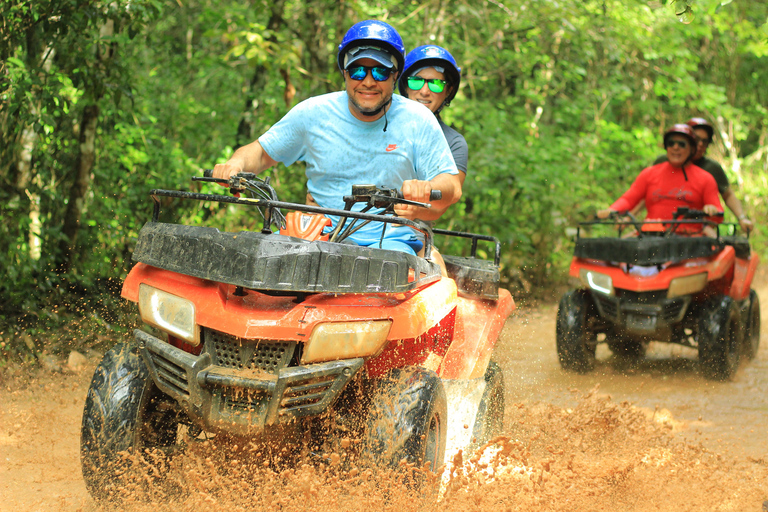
[{"x": 562, "y": 104}]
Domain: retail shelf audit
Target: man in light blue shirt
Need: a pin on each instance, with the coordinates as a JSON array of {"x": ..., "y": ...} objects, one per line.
[{"x": 361, "y": 135}]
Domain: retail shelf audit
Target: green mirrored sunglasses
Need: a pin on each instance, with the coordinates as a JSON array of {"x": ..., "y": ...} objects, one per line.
[{"x": 435, "y": 84}]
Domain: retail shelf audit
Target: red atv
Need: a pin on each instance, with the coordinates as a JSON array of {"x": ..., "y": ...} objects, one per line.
[
  {"x": 661, "y": 285},
  {"x": 298, "y": 335}
]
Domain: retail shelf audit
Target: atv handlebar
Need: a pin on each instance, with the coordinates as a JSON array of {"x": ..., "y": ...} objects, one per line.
[
  {"x": 382, "y": 197},
  {"x": 683, "y": 215},
  {"x": 683, "y": 212},
  {"x": 376, "y": 197}
]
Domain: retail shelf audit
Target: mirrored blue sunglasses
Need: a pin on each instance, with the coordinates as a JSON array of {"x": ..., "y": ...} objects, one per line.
[{"x": 379, "y": 73}]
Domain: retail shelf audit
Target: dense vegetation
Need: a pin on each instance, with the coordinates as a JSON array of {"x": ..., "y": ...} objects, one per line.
[{"x": 562, "y": 103}]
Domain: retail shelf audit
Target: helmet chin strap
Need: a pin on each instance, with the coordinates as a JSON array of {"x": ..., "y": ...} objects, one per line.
[{"x": 378, "y": 110}]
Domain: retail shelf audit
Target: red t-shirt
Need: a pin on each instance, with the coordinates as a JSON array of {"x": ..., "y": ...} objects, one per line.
[{"x": 665, "y": 188}]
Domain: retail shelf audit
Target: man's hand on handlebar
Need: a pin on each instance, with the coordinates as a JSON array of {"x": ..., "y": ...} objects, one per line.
[
  {"x": 711, "y": 210},
  {"x": 413, "y": 190},
  {"x": 604, "y": 214},
  {"x": 746, "y": 224},
  {"x": 226, "y": 170}
]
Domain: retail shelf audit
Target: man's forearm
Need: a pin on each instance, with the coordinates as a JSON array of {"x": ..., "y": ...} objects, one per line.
[
  {"x": 450, "y": 186},
  {"x": 252, "y": 158},
  {"x": 733, "y": 203}
]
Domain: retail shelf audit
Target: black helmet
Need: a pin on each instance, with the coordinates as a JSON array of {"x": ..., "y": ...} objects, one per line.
[{"x": 700, "y": 122}]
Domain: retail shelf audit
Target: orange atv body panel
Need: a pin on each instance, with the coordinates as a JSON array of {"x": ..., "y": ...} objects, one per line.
[
  {"x": 428, "y": 324},
  {"x": 716, "y": 267},
  {"x": 260, "y": 316}
]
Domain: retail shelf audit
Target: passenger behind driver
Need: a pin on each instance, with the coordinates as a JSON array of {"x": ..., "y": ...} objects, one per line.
[
  {"x": 672, "y": 184},
  {"x": 705, "y": 132},
  {"x": 431, "y": 77}
]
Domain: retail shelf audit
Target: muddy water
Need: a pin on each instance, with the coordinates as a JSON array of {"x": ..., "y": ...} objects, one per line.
[{"x": 655, "y": 436}]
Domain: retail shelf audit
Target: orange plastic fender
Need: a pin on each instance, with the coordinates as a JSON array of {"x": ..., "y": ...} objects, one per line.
[
  {"x": 478, "y": 326},
  {"x": 743, "y": 273}
]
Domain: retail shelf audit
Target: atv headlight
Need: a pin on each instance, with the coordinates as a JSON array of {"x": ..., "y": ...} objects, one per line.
[
  {"x": 596, "y": 281},
  {"x": 169, "y": 313},
  {"x": 687, "y": 285},
  {"x": 345, "y": 340}
]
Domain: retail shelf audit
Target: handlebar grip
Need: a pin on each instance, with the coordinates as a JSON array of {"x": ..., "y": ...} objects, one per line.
[
  {"x": 436, "y": 195},
  {"x": 207, "y": 173}
]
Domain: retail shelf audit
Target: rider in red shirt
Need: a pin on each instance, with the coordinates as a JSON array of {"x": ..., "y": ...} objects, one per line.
[{"x": 671, "y": 184}]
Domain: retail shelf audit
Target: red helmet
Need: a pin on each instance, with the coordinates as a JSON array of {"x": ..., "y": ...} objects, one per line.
[
  {"x": 700, "y": 122},
  {"x": 685, "y": 130}
]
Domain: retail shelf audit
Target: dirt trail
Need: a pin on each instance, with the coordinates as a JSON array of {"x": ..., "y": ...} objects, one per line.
[{"x": 653, "y": 437}]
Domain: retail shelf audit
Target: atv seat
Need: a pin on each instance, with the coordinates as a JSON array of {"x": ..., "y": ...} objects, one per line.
[
  {"x": 474, "y": 277},
  {"x": 647, "y": 251}
]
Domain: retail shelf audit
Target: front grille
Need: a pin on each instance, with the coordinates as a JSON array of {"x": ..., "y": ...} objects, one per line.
[
  {"x": 673, "y": 309},
  {"x": 655, "y": 303},
  {"x": 170, "y": 374},
  {"x": 608, "y": 306},
  {"x": 244, "y": 401},
  {"x": 232, "y": 352},
  {"x": 652, "y": 297},
  {"x": 306, "y": 392}
]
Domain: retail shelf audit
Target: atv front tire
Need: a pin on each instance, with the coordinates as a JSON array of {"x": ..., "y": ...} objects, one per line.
[
  {"x": 719, "y": 339},
  {"x": 575, "y": 344},
  {"x": 489, "y": 422},
  {"x": 752, "y": 331},
  {"x": 124, "y": 414},
  {"x": 407, "y": 419}
]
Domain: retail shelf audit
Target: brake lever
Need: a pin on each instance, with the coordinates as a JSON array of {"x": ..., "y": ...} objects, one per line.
[
  {"x": 381, "y": 201},
  {"x": 236, "y": 183}
]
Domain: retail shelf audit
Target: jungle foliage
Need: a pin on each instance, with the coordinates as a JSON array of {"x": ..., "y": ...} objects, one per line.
[{"x": 562, "y": 104}]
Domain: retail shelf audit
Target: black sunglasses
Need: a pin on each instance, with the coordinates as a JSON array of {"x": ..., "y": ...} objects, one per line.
[
  {"x": 379, "y": 73},
  {"x": 672, "y": 143}
]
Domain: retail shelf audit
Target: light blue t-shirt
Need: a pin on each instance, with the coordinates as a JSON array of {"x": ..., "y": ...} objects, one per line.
[{"x": 340, "y": 150}]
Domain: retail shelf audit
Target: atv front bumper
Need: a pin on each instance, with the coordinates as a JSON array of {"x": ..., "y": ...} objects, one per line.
[
  {"x": 221, "y": 394},
  {"x": 642, "y": 313}
]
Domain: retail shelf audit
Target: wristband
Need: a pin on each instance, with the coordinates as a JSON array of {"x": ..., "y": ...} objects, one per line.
[{"x": 742, "y": 216}]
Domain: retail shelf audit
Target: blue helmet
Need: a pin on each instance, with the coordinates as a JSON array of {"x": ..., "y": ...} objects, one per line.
[
  {"x": 376, "y": 33},
  {"x": 431, "y": 55}
]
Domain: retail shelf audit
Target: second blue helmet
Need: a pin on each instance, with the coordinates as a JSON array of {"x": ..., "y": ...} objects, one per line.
[{"x": 431, "y": 55}]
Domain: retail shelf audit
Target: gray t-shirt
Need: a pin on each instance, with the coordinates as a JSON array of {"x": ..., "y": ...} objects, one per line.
[{"x": 458, "y": 145}]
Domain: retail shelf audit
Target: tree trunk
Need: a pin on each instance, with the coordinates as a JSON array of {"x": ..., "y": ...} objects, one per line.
[
  {"x": 245, "y": 128},
  {"x": 85, "y": 158},
  {"x": 77, "y": 193}
]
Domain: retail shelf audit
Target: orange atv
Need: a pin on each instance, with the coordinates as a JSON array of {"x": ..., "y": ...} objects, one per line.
[
  {"x": 661, "y": 285},
  {"x": 299, "y": 334}
]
